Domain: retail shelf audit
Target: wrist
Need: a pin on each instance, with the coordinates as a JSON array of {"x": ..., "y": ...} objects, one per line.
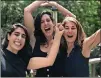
[
  {"x": 57, "y": 37},
  {"x": 52, "y": 3},
  {"x": 40, "y": 1}
]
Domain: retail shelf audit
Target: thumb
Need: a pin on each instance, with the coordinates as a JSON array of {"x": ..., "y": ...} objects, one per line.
[
  {"x": 56, "y": 29},
  {"x": 61, "y": 32}
]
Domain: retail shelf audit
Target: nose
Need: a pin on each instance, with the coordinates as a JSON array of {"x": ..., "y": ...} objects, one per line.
[
  {"x": 20, "y": 37},
  {"x": 69, "y": 31},
  {"x": 45, "y": 22}
]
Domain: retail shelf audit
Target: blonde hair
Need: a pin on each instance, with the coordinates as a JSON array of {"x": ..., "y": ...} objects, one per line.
[{"x": 80, "y": 32}]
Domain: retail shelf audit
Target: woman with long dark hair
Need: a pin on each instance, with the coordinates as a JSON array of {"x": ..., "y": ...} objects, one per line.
[
  {"x": 43, "y": 28},
  {"x": 16, "y": 52}
]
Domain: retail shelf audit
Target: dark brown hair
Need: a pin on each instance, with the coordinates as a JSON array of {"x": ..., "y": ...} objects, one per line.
[{"x": 25, "y": 52}]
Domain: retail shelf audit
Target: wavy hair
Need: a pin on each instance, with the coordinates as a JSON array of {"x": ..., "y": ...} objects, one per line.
[
  {"x": 37, "y": 23},
  {"x": 80, "y": 32},
  {"x": 25, "y": 52}
]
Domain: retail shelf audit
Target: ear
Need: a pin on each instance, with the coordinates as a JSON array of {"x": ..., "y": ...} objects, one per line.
[{"x": 8, "y": 36}]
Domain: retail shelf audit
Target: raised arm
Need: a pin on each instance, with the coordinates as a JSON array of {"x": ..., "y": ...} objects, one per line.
[
  {"x": 61, "y": 9},
  {"x": 28, "y": 18},
  {"x": 40, "y": 62},
  {"x": 94, "y": 39},
  {"x": 92, "y": 42}
]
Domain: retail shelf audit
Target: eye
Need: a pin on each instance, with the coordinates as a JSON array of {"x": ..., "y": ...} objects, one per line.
[
  {"x": 23, "y": 36},
  {"x": 66, "y": 28},
  {"x": 48, "y": 20},
  {"x": 16, "y": 34},
  {"x": 73, "y": 28},
  {"x": 42, "y": 21}
]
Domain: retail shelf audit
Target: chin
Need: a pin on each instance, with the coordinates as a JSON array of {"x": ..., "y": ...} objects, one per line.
[
  {"x": 48, "y": 34},
  {"x": 17, "y": 48},
  {"x": 70, "y": 40}
]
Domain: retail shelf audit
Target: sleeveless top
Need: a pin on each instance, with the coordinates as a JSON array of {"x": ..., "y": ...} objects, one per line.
[
  {"x": 76, "y": 65},
  {"x": 12, "y": 65},
  {"x": 51, "y": 71}
]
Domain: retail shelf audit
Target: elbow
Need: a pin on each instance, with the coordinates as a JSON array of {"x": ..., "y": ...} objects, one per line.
[
  {"x": 50, "y": 63},
  {"x": 26, "y": 10},
  {"x": 72, "y": 15},
  {"x": 30, "y": 64},
  {"x": 28, "y": 68}
]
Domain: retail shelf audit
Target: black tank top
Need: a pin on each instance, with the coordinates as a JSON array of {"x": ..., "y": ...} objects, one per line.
[
  {"x": 76, "y": 65},
  {"x": 52, "y": 71}
]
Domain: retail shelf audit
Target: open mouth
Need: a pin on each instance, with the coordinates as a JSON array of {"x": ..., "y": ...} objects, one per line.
[
  {"x": 17, "y": 43},
  {"x": 47, "y": 29},
  {"x": 70, "y": 36}
]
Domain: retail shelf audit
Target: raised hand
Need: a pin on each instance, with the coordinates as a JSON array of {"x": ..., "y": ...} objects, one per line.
[
  {"x": 49, "y": 3},
  {"x": 59, "y": 30}
]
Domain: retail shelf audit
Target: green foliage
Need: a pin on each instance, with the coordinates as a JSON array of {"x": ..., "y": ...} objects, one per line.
[
  {"x": 11, "y": 13},
  {"x": 87, "y": 12}
]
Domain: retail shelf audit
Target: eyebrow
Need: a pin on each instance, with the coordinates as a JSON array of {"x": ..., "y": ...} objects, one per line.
[
  {"x": 19, "y": 33},
  {"x": 71, "y": 26}
]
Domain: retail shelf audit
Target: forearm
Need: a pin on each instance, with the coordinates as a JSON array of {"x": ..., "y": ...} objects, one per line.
[
  {"x": 63, "y": 10},
  {"x": 54, "y": 50},
  {"x": 97, "y": 38},
  {"x": 28, "y": 18},
  {"x": 33, "y": 6},
  {"x": 40, "y": 62},
  {"x": 94, "y": 39}
]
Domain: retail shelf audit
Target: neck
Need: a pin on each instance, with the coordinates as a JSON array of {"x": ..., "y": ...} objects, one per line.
[
  {"x": 12, "y": 50},
  {"x": 70, "y": 44},
  {"x": 49, "y": 39},
  {"x": 70, "y": 47}
]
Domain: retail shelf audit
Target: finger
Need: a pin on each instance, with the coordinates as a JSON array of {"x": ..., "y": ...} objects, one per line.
[
  {"x": 61, "y": 32},
  {"x": 60, "y": 26},
  {"x": 56, "y": 27},
  {"x": 44, "y": 4}
]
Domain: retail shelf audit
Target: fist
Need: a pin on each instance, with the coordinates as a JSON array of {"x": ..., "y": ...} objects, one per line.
[{"x": 59, "y": 25}]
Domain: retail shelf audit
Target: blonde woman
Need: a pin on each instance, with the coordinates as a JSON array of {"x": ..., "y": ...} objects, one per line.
[{"x": 77, "y": 48}]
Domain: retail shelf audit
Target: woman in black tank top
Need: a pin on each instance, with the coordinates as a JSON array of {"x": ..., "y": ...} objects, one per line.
[
  {"x": 43, "y": 28},
  {"x": 77, "y": 48},
  {"x": 16, "y": 53}
]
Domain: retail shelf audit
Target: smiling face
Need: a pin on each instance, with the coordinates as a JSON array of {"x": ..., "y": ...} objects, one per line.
[
  {"x": 70, "y": 33},
  {"x": 47, "y": 25},
  {"x": 16, "y": 40},
  {"x": 73, "y": 30}
]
